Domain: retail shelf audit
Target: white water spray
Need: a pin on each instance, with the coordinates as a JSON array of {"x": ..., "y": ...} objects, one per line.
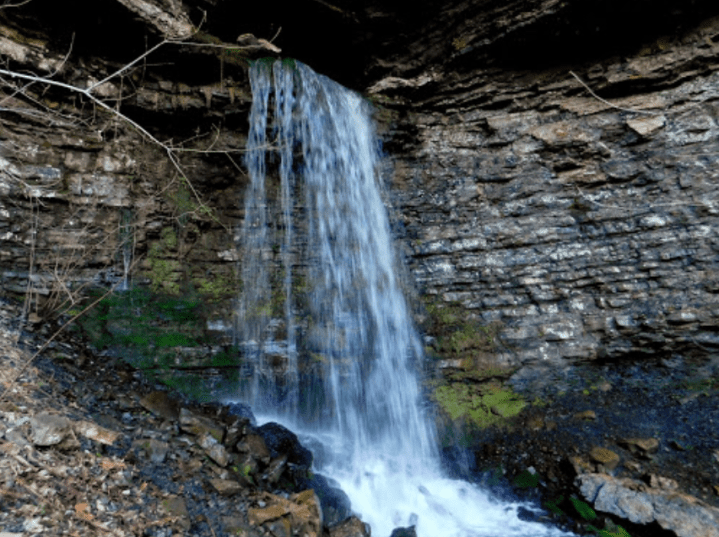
[{"x": 358, "y": 338}]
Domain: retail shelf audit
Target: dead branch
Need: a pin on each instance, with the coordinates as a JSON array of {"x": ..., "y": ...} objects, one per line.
[
  {"x": 11, "y": 382},
  {"x": 633, "y": 110},
  {"x": 17, "y": 4}
]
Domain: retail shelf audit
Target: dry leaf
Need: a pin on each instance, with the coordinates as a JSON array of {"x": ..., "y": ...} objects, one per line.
[
  {"x": 110, "y": 464},
  {"x": 82, "y": 510}
]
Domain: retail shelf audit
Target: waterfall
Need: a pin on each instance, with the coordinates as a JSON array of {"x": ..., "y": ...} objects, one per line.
[
  {"x": 126, "y": 247},
  {"x": 322, "y": 321}
]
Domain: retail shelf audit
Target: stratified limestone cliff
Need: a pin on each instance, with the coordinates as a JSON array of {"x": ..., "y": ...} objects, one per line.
[
  {"x": 586, "y": 225},
  {"x": 552, "y": 163}
]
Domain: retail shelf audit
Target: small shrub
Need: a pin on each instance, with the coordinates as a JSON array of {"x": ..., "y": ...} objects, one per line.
[
  {"x": 526, "y": 480},
  {"x": 583, "y": 509},
  {"x": 553, "y": 505}
]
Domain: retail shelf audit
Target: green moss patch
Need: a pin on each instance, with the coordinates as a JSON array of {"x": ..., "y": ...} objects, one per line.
[
  {"x": 163, "y": 335},
  {"x": 456, "y": 335},
  {"x": 481, "y": 406}
]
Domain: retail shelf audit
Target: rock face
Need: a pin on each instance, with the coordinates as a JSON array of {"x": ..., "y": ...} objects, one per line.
[
  {"x": 551, "y": 167},
  {"x": 585, "y": 229}
]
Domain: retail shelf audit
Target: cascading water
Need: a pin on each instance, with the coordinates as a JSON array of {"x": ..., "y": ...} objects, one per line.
[{"x": 330, "y": 242}]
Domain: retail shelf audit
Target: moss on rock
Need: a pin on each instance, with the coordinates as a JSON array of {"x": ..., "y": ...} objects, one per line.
[{"x": 479, "y": 406}]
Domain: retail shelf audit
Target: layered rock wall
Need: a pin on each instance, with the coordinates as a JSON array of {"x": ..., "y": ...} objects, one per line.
[
  {"x": 575, "y": 212},
  {"x": 585, "y": 226}
]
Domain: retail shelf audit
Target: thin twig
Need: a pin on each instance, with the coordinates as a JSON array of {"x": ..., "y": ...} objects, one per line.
[
  {"x": 10, "y": 383},
  {"x": 271, "y": 40},
  {"x": 15, "y": 5},
  {"x": 635, "y": 111},
  {"x": 127, "y": 66}
]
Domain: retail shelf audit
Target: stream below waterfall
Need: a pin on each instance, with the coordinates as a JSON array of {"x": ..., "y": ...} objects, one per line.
[{"x": 326, "y": 332}]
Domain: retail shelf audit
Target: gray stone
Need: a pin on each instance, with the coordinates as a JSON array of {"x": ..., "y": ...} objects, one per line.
[
  {"x": 633, "y": 500},
  {"x": 49, "y": 429},
  {"x": 214, "y": 449}
]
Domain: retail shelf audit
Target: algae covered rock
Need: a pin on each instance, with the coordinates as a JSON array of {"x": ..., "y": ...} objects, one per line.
[{"x": 480, "y": 406}]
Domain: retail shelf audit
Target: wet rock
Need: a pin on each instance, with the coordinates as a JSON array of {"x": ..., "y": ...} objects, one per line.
[
  {"x": 336, "y": 505},
  {"x": 280, "y": 440},
  {"x": 240, "y": 410},
  {"x": 49, "y": 429},
  {"x": 350, "y": 527},
  {"x": 404, "y": 532},
  {"x": 161, "y": 404},
  {"x": 635, "y": 501}
]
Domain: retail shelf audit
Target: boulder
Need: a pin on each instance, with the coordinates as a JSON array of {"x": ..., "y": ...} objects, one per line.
[
  {"x": 639, "y": 503},
  {"x": 350, "y": 527},
  {"x": 49, "y": 429},
  {"x": 336, "y": 505},
  {"x": 240, "y": 410},
  {"x": 280, "y": 440}
]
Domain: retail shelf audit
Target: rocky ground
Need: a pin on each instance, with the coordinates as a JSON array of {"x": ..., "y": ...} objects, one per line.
[
  {"x": 638, "y": 441},
  {"x": 87, "y": 447}
]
